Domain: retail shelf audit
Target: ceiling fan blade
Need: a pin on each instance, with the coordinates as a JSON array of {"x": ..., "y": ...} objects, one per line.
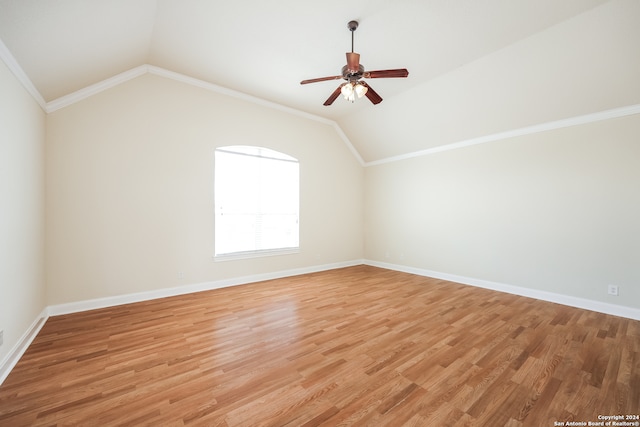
[
  {"x": 399, "y": 72},
  {"x": 371, "y": 94},
  {"x": 353, "y": 61},
  {"x": 320, "y": 79},
  {"x": 333, "y": 96}
]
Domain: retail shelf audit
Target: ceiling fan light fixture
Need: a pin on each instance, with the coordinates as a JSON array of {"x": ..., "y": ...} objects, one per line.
[
  {"x": 347, "y": 91},
  {"x": 352, "y": 90},
  {"x": 361, "y": 90}
]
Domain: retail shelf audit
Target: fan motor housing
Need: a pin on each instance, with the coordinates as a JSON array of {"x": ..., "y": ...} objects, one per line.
[{"x": 350, "y": 76}]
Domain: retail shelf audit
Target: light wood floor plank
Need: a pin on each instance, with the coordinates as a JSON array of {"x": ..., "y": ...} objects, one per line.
[{"x": 353, "y": 346}]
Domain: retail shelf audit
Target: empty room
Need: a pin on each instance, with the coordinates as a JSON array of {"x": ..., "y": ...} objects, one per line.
[{"x": 375, "y": 213}]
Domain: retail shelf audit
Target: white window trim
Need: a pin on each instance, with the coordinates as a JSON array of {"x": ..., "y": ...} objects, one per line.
[
  {"x": 256, "y": 254},
  {"x": 261, "y": 252}
]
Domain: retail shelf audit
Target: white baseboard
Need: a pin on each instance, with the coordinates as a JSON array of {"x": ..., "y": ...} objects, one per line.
[
  {"x": 75, "y": 307},
  {"x": 601, "y": 307},
  {"x": 14, "y": 355},
  {"x": 21, "y": 346}
]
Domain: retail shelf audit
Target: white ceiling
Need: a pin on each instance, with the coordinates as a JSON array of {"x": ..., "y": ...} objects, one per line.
[{"x": 265, "y": 49}]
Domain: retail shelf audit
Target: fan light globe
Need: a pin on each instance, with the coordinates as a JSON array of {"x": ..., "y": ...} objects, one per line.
[
  {"x": 361, "y": 90},
  {"x": 347, "y": 90},
  {"x": 350, "y": 90}
]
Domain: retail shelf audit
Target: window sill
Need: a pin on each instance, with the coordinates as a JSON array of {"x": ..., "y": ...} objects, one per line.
[{"x": 255, "y": 254}]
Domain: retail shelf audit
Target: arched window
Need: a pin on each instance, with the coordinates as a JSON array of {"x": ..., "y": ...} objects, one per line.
[{"x": 257, "y": 195}]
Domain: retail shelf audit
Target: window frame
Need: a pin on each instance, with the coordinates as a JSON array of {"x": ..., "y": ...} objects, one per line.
[{"x": 255, "y": 151}]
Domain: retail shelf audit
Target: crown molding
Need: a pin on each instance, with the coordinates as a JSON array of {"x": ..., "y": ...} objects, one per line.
[
  {"x": 88, "y": 91},
  {"x": 529, "y": 130},
  {"x": 94, "y": 89},
  {"x": 124, "y": 77},
  {"x": 347, "y": 142},
  {"x": 18, "y": 72},
  {"x": 79, "y": 95},
  {"x": 152, "y": 69},
  {"x": 255, "y": 100}
]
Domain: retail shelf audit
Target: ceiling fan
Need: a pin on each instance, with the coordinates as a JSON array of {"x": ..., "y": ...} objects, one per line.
[{"x": 353, "y": 72}]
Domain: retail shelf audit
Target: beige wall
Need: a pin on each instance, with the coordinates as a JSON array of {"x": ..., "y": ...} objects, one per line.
[
  {"x": 130, "y": 189},
  {"x": 556, "y": 211},
  {"x": 22, "y": 130}
]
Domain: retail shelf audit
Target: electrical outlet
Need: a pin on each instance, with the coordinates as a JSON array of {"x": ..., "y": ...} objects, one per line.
[
  {"x": 1, "y": 337},
  {"x": 612, "y": 290},
  {"x": 180, "y": 274}
]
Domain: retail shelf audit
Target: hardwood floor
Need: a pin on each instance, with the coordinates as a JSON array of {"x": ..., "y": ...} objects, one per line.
[{"x": 354, "y": 346}]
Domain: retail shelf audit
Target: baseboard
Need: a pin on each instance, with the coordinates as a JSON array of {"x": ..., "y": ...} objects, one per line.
[
  {"x": 21, "y": 346},
  {"x": 598, "y": 306},
  {"x": 75, "y": 307},
  {"x": 14, "y": 355}
]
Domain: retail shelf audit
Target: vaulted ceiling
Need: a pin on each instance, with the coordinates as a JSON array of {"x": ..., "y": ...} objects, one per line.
[{"x": 476, "y": 66}]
